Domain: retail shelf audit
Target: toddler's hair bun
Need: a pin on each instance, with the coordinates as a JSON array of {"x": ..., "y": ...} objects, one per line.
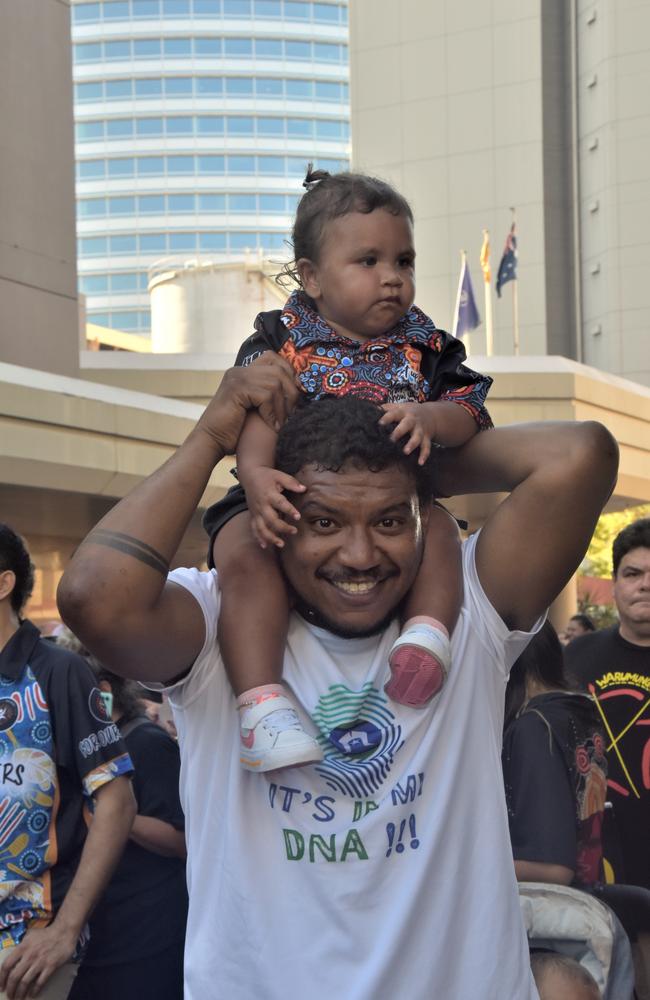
[{"x": 314, "y": 177}]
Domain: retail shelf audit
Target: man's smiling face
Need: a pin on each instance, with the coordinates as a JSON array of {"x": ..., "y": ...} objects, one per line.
[{"x": 358, "y": 547}]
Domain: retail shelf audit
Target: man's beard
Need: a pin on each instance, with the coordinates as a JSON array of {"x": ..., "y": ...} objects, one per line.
[{"x": 314, "y": 617}]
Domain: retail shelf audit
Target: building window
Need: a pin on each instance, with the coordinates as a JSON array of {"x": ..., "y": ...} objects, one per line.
[
  {"x": 239, "y": 86},
  {"x": 153, "y": 243},
  {"x": 84, "y": 12},
  {"x": 182, "y": 242},
  {"x": 236, "y": 8},
  {"x": 89, "y": 207},
  {"x": 93, "y": 284},
  {"x": 88, "y": 91},
  {"x": 180, "y": 203},
  {"x": 89, "y": 170},
  {"x": 149, "y": 126},
  {"x": 274, "y": 203},
  {"x": 150, "y": 166},
  {"x": 116, "y": 10},
  {"x": 210, "y": 125},
  {"x": 151, "y": 204},
  {"x": 210, "y": 164},
  {"x": 87, "y": 131},
  {"x": 121, "y": 206},
  {"x": 95, "y": 246},
  {"x": 238, "y": 47},
  {"x": 242, "y": 203},
  {"x": 119, "y": 128},
  {"x": 175, "y": 8},
  {"x": 88, "y": 52},
  {"x": 207, "y": 47},
  {"x": 208, "y": 86},
  {"x": 179, "y": 126},
  {"x": 212, "y": 241},
  {"x": 212, "y": 203},
  {"x": 176, "y": 48},
  {"x": 122, "y": 244},
  {"x": 121, "y": 168},
  {"x": 125, "y": 282},
  {"x": 145, "y": 8},
  {"x": 243, "y": 241},
  {"x": 178, "y": 86},
  {"x": 148, "y": 88},
  {"x": 268, "y": 48},
  {"x": 240, "y": 126},
  {"x": 146, "y": 48}
]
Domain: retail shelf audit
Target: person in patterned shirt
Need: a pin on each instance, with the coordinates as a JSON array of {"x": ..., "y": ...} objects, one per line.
[
  {"x": 60, "y": 755},
  {"x": 351, "y": 328}
]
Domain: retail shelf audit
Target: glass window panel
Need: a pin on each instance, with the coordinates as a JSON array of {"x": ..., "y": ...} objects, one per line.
[
  {"x": 176, "y": 47},
  {"x": 299, "y": 88},
  {"x": 121, "y": 168},
  {"x": 241, "y": 164},
  {"x": 209, "y": 125},
  {"x": 148, "y": 165},
  {"x": 153, "y": 243},
  {"x": 125, "y": 320},
  {"x": 88, "y": 92},
  {"x": 118, "y": 89},
  {"x": 176, "y": 8},
  {"x": 239, "y": 85},
  {"x": 149, "y": 126},
  {"x": 239, "y": 126},
  {"x": 268, "y": 8},
  {"x": 268, "y": 48},
  {"x": 326, "y": 52},
  {"x": 180, "y": 164},
  {"x": 93, "y": 246},
  {"x": 91, "y": 206},
  {"x": 146, "y": 8},
  {"x": 345, "y": 92},
  {"x": 122, "y": 244},
  {"x": 117, "y": 50},
  {"x": 86, "y": 12},
  {"x": 273, "y": 241},
  {"x": 237, "y": 8},
  {"x": 242, "y": 203},
  {"x": 180, "y": 126},
  {"x": 292, "y": 202},
  {"x": 212, "y": 241},
  {"x": 243, "y": 241},
  {"x": 127, "y": 282},
  {"x": 271, "y": 164},
  {"x": 300, "y": 128},
  {"x": 86, "y": 131},
  {"x": 300, "y": 11},
  {"x": 238, "y": 47},
  {"x": 101, "y": 319},
  {"x": 118, "y": 9},
  {"x": 298, "y": 50},
  {"x": 207, "y": 8},
  {"x": 267, "y": 86},
  {"x": 327, "y": 91},
  {"x": 326, "y": 12},
  {"x": 272, "y": 203},
  {"x": 121, "y": 206},
  {"x": 88, "y": 52},
  {"x": 143, "y": 286},
  {"x": 148, "y": 88},
  {"x": 146, "y": 48},
  {"x": 93, "y": 284},
  {"x": 332, "y": 165},
  {"x": 91, "y": 169},
  {"x": 178, "y": 86},
  {"x": 182, "y": 241},
  {"x": 153, "y": 204},
  {"x": 210, "y": 164},
  {"x": 118, "y": 128},
  {"x": 328, "y": 129},
  {"x": 208, "y": 85},
  {"x": 344, "y": 15},
  {"x": 207, "y": 46},
  {"x": 270, "y": 126},
  {"x": 180, "y": 202},
  {"x": 296, "y": 166},
  {"x": 212, "y": 203}
]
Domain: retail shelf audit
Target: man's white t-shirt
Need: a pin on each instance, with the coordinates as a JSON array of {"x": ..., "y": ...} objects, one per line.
[{"x": 385, "y": 871}]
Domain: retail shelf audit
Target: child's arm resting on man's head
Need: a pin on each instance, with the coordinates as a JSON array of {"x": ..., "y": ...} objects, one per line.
[
  {"x": 264, "y": 485},
  {"x": 444, "y": 422}
]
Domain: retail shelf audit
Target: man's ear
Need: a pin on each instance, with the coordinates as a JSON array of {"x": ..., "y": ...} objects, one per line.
[
  {"x": 7, "y": 583},
  {"x": 105, "y": 686},
  {"x": 308, "y": 273}
]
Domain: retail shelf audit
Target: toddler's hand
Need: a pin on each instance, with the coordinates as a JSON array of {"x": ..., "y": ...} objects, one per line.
[
  {"x": 412, "y": 419},
  {"x": 264, "y": 488}
]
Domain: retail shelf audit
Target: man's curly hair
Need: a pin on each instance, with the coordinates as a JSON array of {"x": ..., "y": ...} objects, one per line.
[
  {"x": 15, "y": 557},
  {"x": 338, "y": 431}
]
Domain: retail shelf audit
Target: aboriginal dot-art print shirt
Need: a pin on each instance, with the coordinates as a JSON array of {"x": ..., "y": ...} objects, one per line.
[
  {"x": 412, "y": 362},
  {"x": 57, "y": 747}
]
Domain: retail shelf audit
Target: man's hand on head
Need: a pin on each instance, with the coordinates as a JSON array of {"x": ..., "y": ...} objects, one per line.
[{"x": 267, "y": 386}]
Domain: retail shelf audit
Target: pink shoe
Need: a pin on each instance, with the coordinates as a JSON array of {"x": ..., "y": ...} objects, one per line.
[{"x": 419, "y": 661}]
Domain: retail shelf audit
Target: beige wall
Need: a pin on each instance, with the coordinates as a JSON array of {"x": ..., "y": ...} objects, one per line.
[{"x": 38, "y": 295}]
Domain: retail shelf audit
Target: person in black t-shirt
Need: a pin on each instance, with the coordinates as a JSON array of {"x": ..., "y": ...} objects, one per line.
[
  {"x": 137, "y": 933},
  {"x": 614, "y": 665}
]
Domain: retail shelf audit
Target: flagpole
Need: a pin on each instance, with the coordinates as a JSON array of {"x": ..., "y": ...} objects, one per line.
[
  {"x": 515, "y": 304},
  {"x": 463, "y": 265},
  {"x": 485, "y": 264}
]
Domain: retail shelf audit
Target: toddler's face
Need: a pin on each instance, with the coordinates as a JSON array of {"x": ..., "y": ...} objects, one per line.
[{"x": 364, "y": 281}]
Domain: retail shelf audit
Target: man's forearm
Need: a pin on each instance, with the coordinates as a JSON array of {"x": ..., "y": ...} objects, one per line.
[
  {"x": 158, "y": 836},
  {"x": 115, "y": 810}
]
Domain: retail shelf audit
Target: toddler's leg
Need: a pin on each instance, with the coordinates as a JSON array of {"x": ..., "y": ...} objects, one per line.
[
  {"x": 421, "y": 656},
  {"x": 253, "y": 624}
]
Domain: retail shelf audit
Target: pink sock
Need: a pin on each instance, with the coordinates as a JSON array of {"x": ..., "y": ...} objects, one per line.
[
  {"x": 257, "y": 694},
  {"x": 425, "y": 620}
]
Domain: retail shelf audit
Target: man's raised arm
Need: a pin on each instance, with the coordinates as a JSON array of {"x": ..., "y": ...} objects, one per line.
[
  {"x": 560, "y": 476},
  {"x": 114, "y": 594}
]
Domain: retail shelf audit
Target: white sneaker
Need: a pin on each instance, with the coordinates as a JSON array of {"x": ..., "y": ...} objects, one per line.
[
  {"x": 272, "y": 737},
  {"x": 419, "y": 663}
]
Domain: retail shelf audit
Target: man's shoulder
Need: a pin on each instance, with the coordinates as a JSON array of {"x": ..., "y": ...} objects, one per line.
[{"x": 56, "y": 663}]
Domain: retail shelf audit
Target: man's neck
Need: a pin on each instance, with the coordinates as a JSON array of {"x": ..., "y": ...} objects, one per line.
[{"x": 633, "y": 636}]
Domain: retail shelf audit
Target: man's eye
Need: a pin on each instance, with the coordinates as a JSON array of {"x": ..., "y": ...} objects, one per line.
[
  {"x": 406, "y": 262},
  {"x": 369, "y": 261},
  {"x": 389, "y": 522},
  {"x": 323, "y": 523}
]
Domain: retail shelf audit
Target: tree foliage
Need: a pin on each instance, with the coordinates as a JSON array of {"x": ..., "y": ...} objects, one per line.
[{"x": 598, "y": 561}]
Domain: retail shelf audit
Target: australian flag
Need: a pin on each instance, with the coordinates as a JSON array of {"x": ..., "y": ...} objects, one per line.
[
  {"x": 508, "y": 265},
  {"x": 468, "y": 314}
]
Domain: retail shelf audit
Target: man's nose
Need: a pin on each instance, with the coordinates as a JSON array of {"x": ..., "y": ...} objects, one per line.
[
  {"x": 392, "y": 277},
  {"x": 358, "y": 550}
]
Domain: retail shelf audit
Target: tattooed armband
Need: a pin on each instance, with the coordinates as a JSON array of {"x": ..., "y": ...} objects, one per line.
[{"x": 131, "y": 547}]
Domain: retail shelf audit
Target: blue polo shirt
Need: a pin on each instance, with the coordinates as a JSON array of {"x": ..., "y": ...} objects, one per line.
[{"x": 57, "y": 747}]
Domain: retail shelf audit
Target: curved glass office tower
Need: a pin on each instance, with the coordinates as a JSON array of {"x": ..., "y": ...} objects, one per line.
[{"x": 194, "y": 123}]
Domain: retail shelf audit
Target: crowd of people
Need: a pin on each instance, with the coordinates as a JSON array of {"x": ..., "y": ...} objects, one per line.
[{"x": 344, "y": 802}]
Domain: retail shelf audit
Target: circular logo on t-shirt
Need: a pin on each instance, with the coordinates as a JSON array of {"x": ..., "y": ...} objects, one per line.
[
  {"x": 8, "y": 713},
  {"x": 361, "y": 737},
  {"x": 97, "y": 706}
]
